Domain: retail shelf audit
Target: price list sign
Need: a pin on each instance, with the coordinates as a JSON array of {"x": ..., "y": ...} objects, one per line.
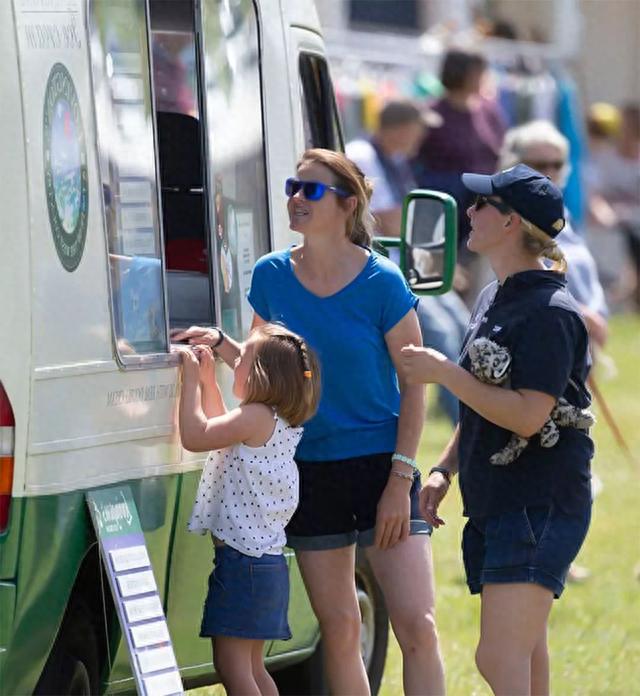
[{"x": 135, "y": 592}]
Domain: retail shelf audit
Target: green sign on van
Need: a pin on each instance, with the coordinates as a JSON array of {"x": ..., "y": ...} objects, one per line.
[{"x": 65, "y": 167}]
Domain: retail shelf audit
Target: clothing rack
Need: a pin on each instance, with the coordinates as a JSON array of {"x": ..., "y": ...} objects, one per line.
[{"x": 532, "y": 82}]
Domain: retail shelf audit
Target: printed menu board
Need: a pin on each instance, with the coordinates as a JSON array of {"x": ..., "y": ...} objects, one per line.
[{"x": 134, "y": 590}]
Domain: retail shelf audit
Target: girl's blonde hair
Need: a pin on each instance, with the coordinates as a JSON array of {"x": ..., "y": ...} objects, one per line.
[
  {"x": 538, "y": 243},
  {"x": 285, "y": 374},
  {"x": 349, "y": 177}
]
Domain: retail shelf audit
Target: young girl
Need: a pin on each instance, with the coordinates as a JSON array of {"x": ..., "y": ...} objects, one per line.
[{"x": 248, "y": 492}]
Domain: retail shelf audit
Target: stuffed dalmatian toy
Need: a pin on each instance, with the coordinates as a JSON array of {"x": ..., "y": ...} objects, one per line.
[{"x": 491, "y": 363}]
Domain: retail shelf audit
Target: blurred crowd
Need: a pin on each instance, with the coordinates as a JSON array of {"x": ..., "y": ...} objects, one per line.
[{"x": 430, "y": 143}]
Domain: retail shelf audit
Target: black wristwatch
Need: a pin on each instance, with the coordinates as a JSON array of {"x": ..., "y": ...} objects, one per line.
[{"x": 441, "y": 470}]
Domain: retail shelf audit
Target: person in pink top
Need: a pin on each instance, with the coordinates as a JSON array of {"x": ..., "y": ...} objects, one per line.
[{"x": 470, "y": 136}]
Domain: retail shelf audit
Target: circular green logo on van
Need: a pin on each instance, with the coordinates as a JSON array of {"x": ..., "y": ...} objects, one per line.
[{"x": 65, "y": 167}]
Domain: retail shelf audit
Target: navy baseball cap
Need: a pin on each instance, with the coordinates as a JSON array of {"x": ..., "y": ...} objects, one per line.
[{"x": 528, "y": 192}]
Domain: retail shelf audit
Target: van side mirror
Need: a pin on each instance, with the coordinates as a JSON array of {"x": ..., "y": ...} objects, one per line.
[{"x": 428, "y": 241}]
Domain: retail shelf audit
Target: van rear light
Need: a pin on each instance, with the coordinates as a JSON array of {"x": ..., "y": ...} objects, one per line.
[{"x": 7, "y": 432}]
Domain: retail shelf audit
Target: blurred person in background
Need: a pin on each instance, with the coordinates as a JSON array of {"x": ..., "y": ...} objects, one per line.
[
  {"x": 541, "y": 146},
  {"x": 469, "y": 138},
  {"x": 605, "y": 242},
  {"x": 603, "y": 127},
  {"x": 614, "y": 201},
  {"x": 385, "y": 158}
]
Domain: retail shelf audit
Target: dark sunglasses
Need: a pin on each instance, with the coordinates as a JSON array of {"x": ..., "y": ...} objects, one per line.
[
  {"x": 481, "y": 201},
  {"x": 541, "y": 165},
  {"x": 312, "y": 190}
]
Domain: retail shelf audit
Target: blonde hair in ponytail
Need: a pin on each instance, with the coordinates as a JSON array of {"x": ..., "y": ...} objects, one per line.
[
  {"x": 538, "y": 243},
  {"x": 349, "y": 177}
]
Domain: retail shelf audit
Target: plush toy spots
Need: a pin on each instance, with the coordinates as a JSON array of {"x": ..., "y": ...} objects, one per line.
[{"x": 491, "y": 363}]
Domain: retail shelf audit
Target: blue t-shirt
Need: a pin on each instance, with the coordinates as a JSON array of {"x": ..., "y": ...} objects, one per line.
[
  {"x": 360, "y": 400},
  {"x": 534, "y": 316}
]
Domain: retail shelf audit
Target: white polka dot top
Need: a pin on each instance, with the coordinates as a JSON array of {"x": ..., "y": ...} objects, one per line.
[{"x": 247, "y": 495}]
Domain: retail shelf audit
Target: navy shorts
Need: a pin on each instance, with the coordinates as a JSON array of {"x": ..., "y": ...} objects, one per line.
[
  {"x": 248, "y": 597},
  {"x": 535, "y": 544},
  {"x": 339, "y": 500}
]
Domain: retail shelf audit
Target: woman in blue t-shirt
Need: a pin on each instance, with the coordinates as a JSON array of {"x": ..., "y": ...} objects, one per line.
[
  {"x": 358, "y": 480},
  {"x": 524, "y": 478}
]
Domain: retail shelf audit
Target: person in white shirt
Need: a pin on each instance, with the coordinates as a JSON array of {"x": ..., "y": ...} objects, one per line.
[
  {"x": 385, "y": 158},
  {"x": 248, "y": 491},
  {"x": 541, "y": 146}
]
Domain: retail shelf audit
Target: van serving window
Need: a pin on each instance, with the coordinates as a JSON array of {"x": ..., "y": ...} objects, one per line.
[
  {"x": 236, "y": 164},
  {"x": 186, "y": 230},
  {"x": 319, "y": 114},
  {"x": 124, "y": 119}
]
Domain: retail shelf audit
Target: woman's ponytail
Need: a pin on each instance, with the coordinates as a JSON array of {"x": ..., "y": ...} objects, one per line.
[
  {"x": 362, "y": 222},
  {"x": 555, "y": 254},
  {"x": 538, "y": 243}
]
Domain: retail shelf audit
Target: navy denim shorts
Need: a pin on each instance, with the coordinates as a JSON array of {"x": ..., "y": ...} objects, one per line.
[
  {"x": 535, "y": 544},
  {"x": 248, "y": 597},
  {"x": 339, "y": 502}
]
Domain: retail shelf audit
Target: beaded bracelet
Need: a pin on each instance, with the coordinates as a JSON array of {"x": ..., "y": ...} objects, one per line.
[
  {"x": 405, "y": 460},
  {"x": 401, "y": 474}
]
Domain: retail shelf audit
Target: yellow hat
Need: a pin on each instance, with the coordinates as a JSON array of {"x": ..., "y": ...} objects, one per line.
[{"x": 605, "y": 117}]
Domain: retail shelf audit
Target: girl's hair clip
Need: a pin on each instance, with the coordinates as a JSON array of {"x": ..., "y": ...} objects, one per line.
[{"x": 307, "y": 374}]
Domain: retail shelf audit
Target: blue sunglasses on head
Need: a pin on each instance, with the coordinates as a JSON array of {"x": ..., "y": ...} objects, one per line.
[{"x": 312, "y": 190}]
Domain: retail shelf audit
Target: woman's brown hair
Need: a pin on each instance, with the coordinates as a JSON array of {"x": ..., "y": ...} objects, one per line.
[
  {"x": 285, "y": 374},
  {"x": 349, "y": 177}
]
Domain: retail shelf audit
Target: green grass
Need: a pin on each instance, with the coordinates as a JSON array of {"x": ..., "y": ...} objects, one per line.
[{"x": 595, "y": 626}]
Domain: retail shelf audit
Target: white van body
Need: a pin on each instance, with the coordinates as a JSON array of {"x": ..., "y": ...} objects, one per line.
[
  {"x": 86, "y": 414},
  {"x": 61, "y": 371}
]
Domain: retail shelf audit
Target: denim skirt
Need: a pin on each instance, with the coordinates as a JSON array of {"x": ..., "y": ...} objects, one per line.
[{"x": 248, "y": 597}]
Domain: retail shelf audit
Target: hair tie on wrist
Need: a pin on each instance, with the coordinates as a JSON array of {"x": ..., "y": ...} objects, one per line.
[{"x": 220, "y": 338}]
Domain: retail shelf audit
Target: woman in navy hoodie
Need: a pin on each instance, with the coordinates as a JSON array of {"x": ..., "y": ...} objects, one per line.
[{"x": 526, "y": 493}]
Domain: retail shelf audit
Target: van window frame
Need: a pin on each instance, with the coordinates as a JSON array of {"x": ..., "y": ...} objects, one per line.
[
  {"x": 142, "y": 360},
  {"x": 328, "y": 96},
  {"x": 210, "y": 160},
  {"x": 166, "y": 358},
  {"x": 209, "y": 222}
]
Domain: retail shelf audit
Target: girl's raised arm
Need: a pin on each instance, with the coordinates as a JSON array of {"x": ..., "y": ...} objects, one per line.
[
  {"x": 212, "y": 401},
  {"x": 247, "y": 423},
  {"x": 225, "y": 346}
]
